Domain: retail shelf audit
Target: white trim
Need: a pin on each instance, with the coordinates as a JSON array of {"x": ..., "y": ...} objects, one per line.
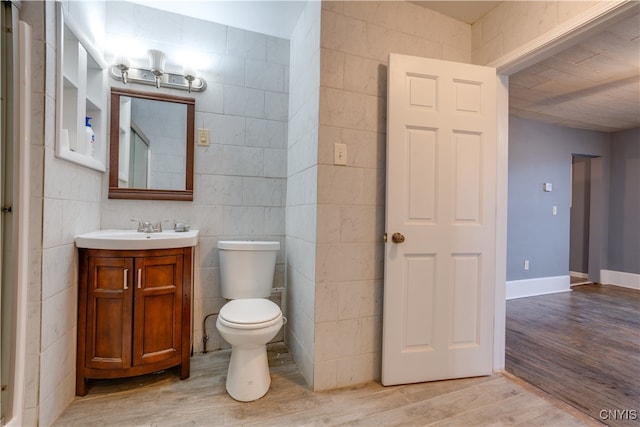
[
  {"x": 538, "y": 286},
  {"x": 579, "y": 275},
  {"x": 22, "y": 222},
  {"x": 502, "y": 167},
  {"x": 579, "y": 28},
  {"x": 620, "y": 278}
]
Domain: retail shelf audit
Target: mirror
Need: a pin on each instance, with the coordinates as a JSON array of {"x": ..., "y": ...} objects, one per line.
[{"x": 151, "y": 146}]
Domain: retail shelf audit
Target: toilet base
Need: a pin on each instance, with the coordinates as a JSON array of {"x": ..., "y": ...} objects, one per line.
[{"x": 248, "y": 376}]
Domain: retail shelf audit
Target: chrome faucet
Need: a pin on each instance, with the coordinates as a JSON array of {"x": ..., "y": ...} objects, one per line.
[{"x": 145, "y": 226}]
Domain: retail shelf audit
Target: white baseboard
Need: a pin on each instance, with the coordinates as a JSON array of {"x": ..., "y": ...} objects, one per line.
[
  {"x": 579, "y": 275},
  {"x": 538, "y": 286},
  {"x": 620, "y": 278}
]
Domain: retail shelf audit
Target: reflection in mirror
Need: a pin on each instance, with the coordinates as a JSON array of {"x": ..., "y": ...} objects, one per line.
[{"x": 152, "y": 140}]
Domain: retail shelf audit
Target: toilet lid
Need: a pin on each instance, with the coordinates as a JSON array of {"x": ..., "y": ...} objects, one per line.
[{"x": 249, "y": 311}]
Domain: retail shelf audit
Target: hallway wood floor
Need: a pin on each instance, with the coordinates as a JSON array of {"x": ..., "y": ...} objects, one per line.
[
  {"x": 201, "y": 400},
  {"x": 582, "y": 347}
]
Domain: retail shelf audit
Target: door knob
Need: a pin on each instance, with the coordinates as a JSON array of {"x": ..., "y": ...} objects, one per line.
[{"x": 397, "y": 238}]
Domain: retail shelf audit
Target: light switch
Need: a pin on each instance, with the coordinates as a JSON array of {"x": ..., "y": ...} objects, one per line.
[
  {"x": 340, "y": 154},
  {"x": 548, "y": 186},
  {"x": 554, "y": 210},
  {"x": 203, "y": 137}
]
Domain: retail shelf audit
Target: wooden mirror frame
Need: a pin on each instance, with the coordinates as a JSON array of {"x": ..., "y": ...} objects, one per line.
[{"x": 116, "y": 192}]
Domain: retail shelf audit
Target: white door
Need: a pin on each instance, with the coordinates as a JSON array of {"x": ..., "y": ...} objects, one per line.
[{"x": 441, "y": 197}]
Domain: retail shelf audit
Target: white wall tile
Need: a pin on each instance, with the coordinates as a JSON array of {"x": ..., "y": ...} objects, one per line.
[
  {"x": 264, "y": 75},
  {"x": 243, "y": 221},
  {"x": 213, "y": 102},
  {"x": 274, "y": 223},
  {"x": 219, "y": 190},
  {"x": 226, "y": 130},
  {"x": 207, "y": 36},
  {"x": 340, "y": 185},
  {"x": 326, "y": 301},
  {"x": 207, "y": 160},
  {"x": 246, "y": 43},
  {"x": 276, "y": 106},
  {"x": 275, "y": 163},
  {"x": 325, "y": 375},
  {"x": 58, "y": 316},
  {"x": 332, "y": 68},
  {"x": 265, "y": 133},
  {"x": 244, "y": 161},
  {"x": 365, "y": 75},
  {"x": 240, "y": 101},
  {"x": 278, "y": 50},
  {"x": 262, "y": 192},
  {"x": 225, "y": 69}
]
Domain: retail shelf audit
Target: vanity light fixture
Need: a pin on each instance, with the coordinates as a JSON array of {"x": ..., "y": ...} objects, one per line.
[{"x": 155, "y": 75}]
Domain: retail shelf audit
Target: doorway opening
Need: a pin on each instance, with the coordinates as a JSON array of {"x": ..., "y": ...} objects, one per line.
[{"x": 580, "y": 218}]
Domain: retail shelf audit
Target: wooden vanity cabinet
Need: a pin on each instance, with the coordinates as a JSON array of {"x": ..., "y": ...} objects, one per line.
[{"x": 134, "y": 313}]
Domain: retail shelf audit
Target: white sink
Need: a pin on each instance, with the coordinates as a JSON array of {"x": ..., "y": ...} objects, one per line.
[{"x": 136, "y": 240}]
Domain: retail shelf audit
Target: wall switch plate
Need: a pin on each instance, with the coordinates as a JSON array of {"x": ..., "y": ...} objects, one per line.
[
  {"x": 554, "y": 210},
  {"x": 203, "y": 137},
  {"x": 548, "y": 186},
  {"x": 526, "y": 264},
  {"x": 340, "y": 154}
]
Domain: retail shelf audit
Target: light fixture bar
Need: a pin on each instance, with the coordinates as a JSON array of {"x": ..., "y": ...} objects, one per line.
[{"x": 168, "y": 80}]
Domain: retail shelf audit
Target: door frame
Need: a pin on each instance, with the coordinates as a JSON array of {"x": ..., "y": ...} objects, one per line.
[{"x": 569, "y": 33}]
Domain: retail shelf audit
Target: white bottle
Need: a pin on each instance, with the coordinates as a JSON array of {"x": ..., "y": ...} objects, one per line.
[{"x": 90, "y": 136}]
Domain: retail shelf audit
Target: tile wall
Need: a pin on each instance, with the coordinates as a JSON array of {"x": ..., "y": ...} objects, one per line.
[
  {"x": 42, "y": 95},
  {"x": 356, "y": 40},
  {"x": 240, "y": 178},
  {"x": 302, "y": 188},
  {"x": 70, "y": 205}
]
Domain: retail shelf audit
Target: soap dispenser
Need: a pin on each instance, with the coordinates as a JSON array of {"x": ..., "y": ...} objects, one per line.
[{"x": 90, "y": 136}]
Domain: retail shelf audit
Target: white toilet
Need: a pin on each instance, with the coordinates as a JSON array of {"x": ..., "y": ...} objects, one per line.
[{"x": 250, "y": 320}]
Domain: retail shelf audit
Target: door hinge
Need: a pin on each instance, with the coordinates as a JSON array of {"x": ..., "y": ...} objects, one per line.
[
  {"x": 385, "y": 237},
  {"x": 6, "y": 209}
]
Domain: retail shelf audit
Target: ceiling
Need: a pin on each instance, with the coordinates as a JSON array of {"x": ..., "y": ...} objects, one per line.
[{"x": 594, "y": 85}]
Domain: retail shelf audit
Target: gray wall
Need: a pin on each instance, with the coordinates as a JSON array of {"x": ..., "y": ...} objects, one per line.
[
  {"x": 540, "y": 153},
  {"x": 624, "y": 208}
]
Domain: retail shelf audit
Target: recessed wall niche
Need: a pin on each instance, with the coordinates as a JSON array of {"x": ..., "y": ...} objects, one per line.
[{"x": 81, "y": 93}]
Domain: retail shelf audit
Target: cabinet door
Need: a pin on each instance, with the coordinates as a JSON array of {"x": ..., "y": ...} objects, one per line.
[
  {"x": 158, "y": 309},
  {"x": 109, "y": 303}
]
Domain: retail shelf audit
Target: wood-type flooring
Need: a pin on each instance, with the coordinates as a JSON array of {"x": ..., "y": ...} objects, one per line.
[
  {"x": 582, "y": 347},
  {"x": 201, "y": 400}
]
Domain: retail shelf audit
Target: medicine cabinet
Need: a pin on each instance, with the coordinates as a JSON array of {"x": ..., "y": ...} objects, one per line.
[{"x": 81, "y": 92}]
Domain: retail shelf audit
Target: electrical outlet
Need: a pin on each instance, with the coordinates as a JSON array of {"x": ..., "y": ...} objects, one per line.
[
  {"x": 340, "y": 154},
  {"x": 526, "y": 264},
  {"x": 203, "y": 137}
]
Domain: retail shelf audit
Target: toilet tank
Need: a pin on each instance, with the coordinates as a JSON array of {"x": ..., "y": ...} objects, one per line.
[{"x": 247, "y": 268}]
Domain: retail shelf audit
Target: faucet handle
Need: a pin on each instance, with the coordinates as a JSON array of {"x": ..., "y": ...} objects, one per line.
[
  {"x": 179, "y": 225},
  {"x": 140, "y": 226}
]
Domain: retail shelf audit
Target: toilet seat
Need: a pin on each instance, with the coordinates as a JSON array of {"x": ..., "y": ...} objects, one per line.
[{"x": 251, "y": 313}]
